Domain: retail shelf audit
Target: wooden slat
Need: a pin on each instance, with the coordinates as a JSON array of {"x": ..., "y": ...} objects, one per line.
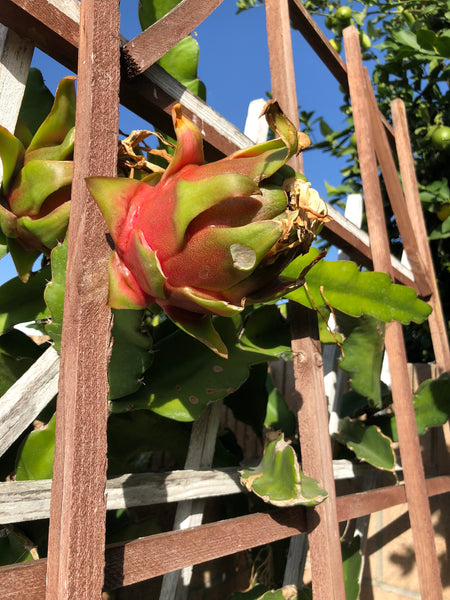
[
  {"x": 419, "y": 509},
  {"x": 154, "y": 94},
  {"x": 353, "y": 506},
  {"x": 30, "y": 500},
  {"x": 281, "y": 61},
  {"x": 303, "y": 22},
  {"x": 395, "y": 193},
  {"x": 229, "y": 536},
  {"x": 149, "y": 46},
  {"x": 78, "y": 503},
  {"x": 325, "y": 550},
  {"x": 29, "y": 395},
  {"x": 406, "y": 161},
  {"x": 15, "y": 59},
  {"x": 202, "y": 444},
  {"x": 312, "y": 416}
]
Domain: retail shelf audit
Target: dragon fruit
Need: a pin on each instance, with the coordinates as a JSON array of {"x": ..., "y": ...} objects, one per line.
[
  {"x": 208, "y": 239},
  {"x": 37, "y": 177}
]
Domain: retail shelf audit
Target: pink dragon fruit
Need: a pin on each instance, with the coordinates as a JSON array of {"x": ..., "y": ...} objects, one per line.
[
  {"x": 209, "y": 239},
  {"x": 37, "y": 177}
]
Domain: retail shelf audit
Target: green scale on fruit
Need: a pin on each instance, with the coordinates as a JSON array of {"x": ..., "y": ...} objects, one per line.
[
  {"x": 37, "y": 178},
  {"x": 204, "y": 239}
]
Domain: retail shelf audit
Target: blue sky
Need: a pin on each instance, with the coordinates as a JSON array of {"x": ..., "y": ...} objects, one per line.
[{"x": 234, "y": 65}]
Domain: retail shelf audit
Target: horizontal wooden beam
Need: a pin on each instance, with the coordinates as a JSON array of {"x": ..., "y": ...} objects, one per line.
[
  {"x": 30, "y": 500},
  {"x": 145, "y": 558},
  {"x": 53, "y": 27}
]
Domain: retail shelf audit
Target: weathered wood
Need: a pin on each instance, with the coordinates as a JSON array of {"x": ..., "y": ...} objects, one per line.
[
  {"x": 419, "y": 509},
  {"x": 200, "y": 454},
  {"x": 78, "y": 503},
  {"x": 30, "y": 500},
  {"x": 395, "y": 193},
  {"x": 24, "y": 400},
  {"x": 149, "y": 46},
  {"x": 15, "y": 59},
  {"x": 324, "y": 543},
  {"x": 131, "y": 562},
  {"x": 406, "y": 162}
]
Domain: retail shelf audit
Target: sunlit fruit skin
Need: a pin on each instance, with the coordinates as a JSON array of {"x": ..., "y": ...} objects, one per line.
[
  {"x": 441, "y": 138},
  {"x": 208, "y": 239},
  {"x": 37, "y": 178}
]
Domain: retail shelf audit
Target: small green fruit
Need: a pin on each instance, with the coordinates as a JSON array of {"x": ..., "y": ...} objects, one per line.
[
  {"x": 344, "y": 14},
  {"x": 441, "y": 138}
]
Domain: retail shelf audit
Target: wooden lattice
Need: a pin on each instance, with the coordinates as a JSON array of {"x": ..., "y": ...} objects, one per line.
[{"x": 75, "y": 567}]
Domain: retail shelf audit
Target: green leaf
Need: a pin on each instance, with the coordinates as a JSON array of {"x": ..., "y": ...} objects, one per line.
[
  {"x": 130, "y": 356},
  {"x": 432, "y": 403},
  {"x": 17, "y": 354},
  {"x": 368, "y": 443},
  {"x": 15, "y": 547},
  {"x": 185, "y": 375},
  {"x": 363, "y": 352},
  {"x": 21, "y": 302},
  {"x": 132, "y": 437},
  {"x": 152, "y": 10},
  {"x": 182, "y": 60},
  {"x": 54, "y": 293},
  {"x": 267, "y": 331},
  {"x": 35, "y": 457},
  {"x": 249, "y": 402},
  {"x": 352, "y": 564},
  {"x": 278, "y": 415},
  {"x": 354, "y": 292},
  {"x": 278, "y": 480}
]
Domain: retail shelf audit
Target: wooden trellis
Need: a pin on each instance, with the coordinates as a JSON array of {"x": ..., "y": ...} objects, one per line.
[{"x": 78, "y": 565}]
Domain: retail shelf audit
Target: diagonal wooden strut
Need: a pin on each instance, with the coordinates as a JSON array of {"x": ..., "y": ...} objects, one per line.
[
  {"x": 149, "y": 46},
  {"x": 419, "y": 509}
]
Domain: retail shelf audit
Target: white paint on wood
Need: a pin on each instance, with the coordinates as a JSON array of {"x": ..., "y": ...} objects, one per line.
[
  {"x": 190, "y": 512},
  {"x": 15, "y": 59},
  {"x": 256, "y": 127},
  {"x": 24, "y": 400}
]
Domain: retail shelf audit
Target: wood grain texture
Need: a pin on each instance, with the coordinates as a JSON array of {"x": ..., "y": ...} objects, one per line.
[
  {"x": 419, "y": 509},
  {"x": 395, "y": 193},
  {"x": 250, "y": 531},
  {"x": 406, "y": 162},
  {"x": 149, "y": 46},
  {"x": 24, "y": 400},
  {"x": 30, "y": 500},
  {"x": 325, "y": 550},
  {"x": 15, "y": 59},
  {"x": 281, "y": 61},
  {"x": 78, "y": 503}
]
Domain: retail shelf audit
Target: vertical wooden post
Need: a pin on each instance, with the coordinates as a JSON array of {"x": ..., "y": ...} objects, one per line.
[
  {"x": 324, "y": 542},
  {"x": 78, "y": 505},
  {"x": 325, "y": 550},
  {"x": 281, "y": 62},
  {"x": 406, "y": 161},
  {"x": 416, "y": 493}
]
